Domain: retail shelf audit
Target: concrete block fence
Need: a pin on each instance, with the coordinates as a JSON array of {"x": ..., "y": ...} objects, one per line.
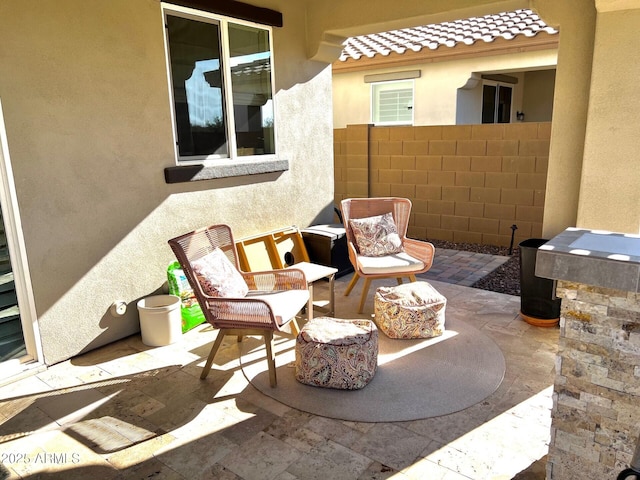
[{"x": 468, "y": 183}]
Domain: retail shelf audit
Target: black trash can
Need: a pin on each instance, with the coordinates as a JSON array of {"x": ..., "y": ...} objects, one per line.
[{"x": 538, "y": 303}]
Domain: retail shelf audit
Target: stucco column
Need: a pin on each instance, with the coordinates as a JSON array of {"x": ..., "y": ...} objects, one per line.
[
  {"x": 571, "y": 100},
  {"x": 609, "y": 193}
]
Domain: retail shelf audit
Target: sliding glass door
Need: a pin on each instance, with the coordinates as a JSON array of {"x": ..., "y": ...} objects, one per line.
[
  {"x": 20, "y": 347},
  {"x": 12, "y": 345},
  {"x": 496, "y": 102}
]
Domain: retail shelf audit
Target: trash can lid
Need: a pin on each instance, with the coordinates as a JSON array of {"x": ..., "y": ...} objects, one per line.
[{"x": 533, "y": 242}]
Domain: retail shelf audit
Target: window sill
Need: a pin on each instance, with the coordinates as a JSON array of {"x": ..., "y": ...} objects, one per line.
[{"x": 194, "y": 173}]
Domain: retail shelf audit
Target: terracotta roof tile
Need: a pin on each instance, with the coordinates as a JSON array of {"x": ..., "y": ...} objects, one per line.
[{"x": 506, "y": 25}]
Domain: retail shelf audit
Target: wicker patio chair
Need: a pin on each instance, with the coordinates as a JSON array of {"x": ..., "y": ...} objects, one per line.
[
  {"x": 268, "y": 302},
  {"x": 413, "y": 257}
]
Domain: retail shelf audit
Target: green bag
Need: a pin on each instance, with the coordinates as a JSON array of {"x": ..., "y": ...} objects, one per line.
[{"x": 192, "y": 315}]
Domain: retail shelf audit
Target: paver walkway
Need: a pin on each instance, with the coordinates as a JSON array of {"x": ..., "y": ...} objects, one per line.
[{"x": 462, "y": 268}]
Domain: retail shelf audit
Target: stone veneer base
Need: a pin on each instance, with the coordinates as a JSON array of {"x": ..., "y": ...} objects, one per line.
[{"x": 596, "y": 412}]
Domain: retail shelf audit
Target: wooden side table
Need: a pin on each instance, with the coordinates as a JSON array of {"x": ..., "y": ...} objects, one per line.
[{"x": 314, "y": 272}]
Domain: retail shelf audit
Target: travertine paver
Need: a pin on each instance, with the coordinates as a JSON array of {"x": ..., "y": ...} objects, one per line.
[{"x": 130, "y": 411}]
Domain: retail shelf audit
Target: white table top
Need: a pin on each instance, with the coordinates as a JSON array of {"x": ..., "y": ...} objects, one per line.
[{"x": 313, "y": 271}]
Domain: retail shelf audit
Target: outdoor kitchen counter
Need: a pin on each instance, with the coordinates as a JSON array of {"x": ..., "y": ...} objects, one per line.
[
  {"x": 592, "y": 257},
  {"x": 594, "y": 426}
]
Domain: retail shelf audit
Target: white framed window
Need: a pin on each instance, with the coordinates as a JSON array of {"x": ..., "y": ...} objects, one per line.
[
  {"x": 221, "y": 86},
  {"x": 496, "y": 102},
  {"x": 392, "y": 102}
]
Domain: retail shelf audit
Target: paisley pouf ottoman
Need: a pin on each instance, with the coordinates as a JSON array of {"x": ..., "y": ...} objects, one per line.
[
  {"x": 336, "y": 353},
  {"x": 410, "y": 310}
]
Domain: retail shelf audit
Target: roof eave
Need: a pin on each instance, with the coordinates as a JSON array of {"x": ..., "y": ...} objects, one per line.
[{"x": 500, "y": 46}]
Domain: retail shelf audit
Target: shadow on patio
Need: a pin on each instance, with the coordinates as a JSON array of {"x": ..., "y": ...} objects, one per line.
[{"x": 130, "y": 411}]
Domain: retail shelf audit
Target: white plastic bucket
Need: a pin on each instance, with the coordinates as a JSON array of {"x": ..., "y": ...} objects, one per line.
[{"x": 160, "y": 320}]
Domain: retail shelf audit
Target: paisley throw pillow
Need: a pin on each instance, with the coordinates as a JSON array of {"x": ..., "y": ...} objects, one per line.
[{"x": 376, "y": 236}]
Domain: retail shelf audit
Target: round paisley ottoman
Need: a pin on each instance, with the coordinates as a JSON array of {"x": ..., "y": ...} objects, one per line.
[
  {"x": 336, "y": 353},
  {"x": 410, "y": 310}
]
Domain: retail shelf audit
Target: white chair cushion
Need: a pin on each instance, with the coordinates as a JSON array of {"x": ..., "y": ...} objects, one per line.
[
  {"x": 285, "y": 303},
  {"x": 396, "y": 263}
]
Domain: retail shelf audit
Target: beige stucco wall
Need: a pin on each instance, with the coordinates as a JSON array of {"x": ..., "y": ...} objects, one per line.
[
  {"x": 537, "y": 101},
  {"x": 593, "y": 174},
  {"x": 85, "y": 96},
  {"x": 571, "y": 101},
  {"x": 436, "y": 100},
  {"x": 609, "y": 192}
]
